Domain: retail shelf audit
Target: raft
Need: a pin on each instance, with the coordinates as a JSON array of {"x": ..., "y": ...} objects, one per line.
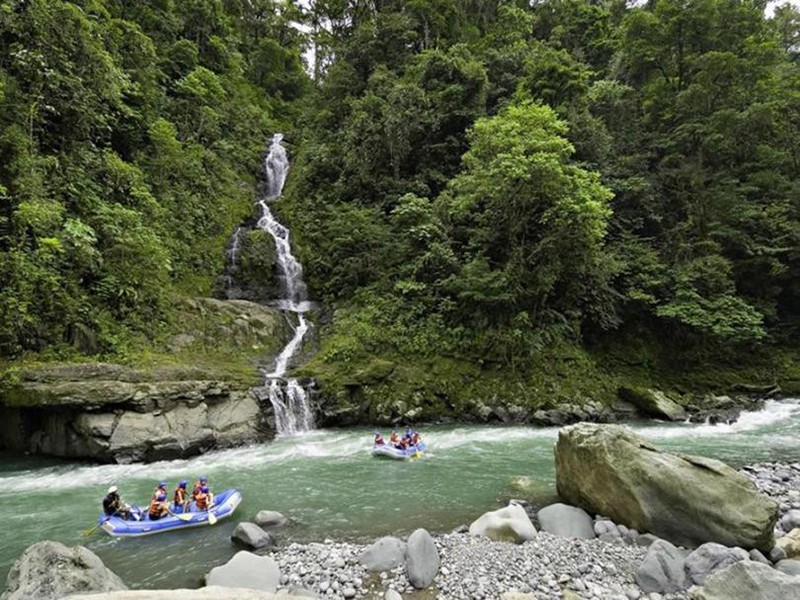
[
  {"x": 224, "y": 505},
  {"x": 397, "y": 453}
]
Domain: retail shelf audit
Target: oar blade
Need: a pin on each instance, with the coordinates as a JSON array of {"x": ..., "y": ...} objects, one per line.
[{"x": 212, "y": 519}]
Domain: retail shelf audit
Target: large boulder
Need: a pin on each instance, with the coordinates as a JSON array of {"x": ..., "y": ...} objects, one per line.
[
  {"x": 748, "y": 580},
  {"x": 52, "y": 570},
  {"x": 653, "y": 403},
  {"x": 509, "y": 524},
  {"x": 246, "y": 570},
  {"x": 422, "y": 559},
  {"x": 566, "y": 521},
  {"x": 689, "y": 500}
]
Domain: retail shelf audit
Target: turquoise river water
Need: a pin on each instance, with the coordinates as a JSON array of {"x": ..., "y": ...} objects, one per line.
[{"x": 327, "y": 482}]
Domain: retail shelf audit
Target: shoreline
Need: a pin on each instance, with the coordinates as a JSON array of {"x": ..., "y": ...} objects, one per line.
[{"x": 476, "y": 567}]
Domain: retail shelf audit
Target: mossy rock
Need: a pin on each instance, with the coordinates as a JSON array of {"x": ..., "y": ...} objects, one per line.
[{"x": 376, "y": 371}]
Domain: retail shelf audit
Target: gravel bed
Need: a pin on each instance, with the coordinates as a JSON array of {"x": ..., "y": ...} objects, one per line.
[{"x": 548, "y": 568}]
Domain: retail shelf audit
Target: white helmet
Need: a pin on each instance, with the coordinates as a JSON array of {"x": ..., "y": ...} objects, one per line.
[{"x": 112, "y": 489}]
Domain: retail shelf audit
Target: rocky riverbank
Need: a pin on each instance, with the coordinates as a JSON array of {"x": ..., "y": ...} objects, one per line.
[{"x": 607, "y": 562}]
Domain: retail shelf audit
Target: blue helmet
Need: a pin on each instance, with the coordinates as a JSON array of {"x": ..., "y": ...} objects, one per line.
[
  {"x": 204, "y": 489},
  {"x": 203, "y": 479},
  {"x": 161, "y": 497},
  {"x": 162, "y": 484},
  {"x": 183, "y": 484}
]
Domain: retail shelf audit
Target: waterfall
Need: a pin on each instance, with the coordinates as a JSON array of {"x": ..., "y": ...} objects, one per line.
[
  {"x": 288, "y": 398},
  {"x": 232, "y": 261}
]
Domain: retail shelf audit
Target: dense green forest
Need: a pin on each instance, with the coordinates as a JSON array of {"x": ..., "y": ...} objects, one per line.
[{"x": 477, "y": 186}]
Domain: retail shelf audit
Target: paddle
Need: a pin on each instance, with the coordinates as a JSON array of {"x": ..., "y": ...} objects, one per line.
[
  {"x": 181, "y": 516},
  {"x": 212, "y": 518},
  {"x": 91, "y": 530}
]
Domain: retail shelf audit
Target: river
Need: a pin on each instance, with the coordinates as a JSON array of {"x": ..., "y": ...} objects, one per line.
[{"x": 329, "y": 485}]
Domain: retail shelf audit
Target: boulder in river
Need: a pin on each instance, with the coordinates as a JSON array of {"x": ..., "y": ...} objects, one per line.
[
  {"x": 52, "y": 570},
  {"x": 252, "y": 536},
  {"x": 653, "y": 403},
  {"x": 689, "y": 500}
]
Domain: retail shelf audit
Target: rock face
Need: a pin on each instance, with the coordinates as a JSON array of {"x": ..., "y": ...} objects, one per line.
[
  {"x": 609, "y": 470},
  {"x": 110, "y": 412},
  {"x": 120, "y": 417},
  {"x": 748, "y": 580},
  {"x": 52, "y": 570}
]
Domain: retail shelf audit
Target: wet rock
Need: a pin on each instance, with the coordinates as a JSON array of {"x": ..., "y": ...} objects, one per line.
[{"x": 252, "y": 536}]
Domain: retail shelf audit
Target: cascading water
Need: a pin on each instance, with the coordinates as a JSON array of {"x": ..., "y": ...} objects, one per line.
[
  {"x": 289, "y": 399},
  {"x": 232, "y": 261}
]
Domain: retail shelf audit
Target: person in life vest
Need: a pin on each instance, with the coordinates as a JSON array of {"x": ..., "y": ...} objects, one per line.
[
  {"x": 113, "y": 505},
  {"x": 415, "y": 438},
  {"x": 159, "y": 506},
  {"x": 204, "y": 498},
  {"x": 378, "y": 439},
  {"x": 181, "y": 497},
  {"x": 394, "y": 440},
  {"x": 201, "y": 481}
]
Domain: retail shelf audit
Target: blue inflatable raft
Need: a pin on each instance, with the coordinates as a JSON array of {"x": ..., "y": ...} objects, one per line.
[
  {"x": 224, "y": 505},
  {"x": 398, "y": 453}
]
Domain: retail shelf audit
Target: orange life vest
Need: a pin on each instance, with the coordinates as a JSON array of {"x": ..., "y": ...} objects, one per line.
[
  {"x": 155, "y": 508},
  {"x": 202, "y": 500},
  {"x": 180, "y": 496}
]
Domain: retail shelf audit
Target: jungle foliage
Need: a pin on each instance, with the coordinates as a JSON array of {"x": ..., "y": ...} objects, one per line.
[
  {"x": 485, "y": 179},
  {"x": 480, "y": 179},
  {"x": 129, "y": 133}
]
